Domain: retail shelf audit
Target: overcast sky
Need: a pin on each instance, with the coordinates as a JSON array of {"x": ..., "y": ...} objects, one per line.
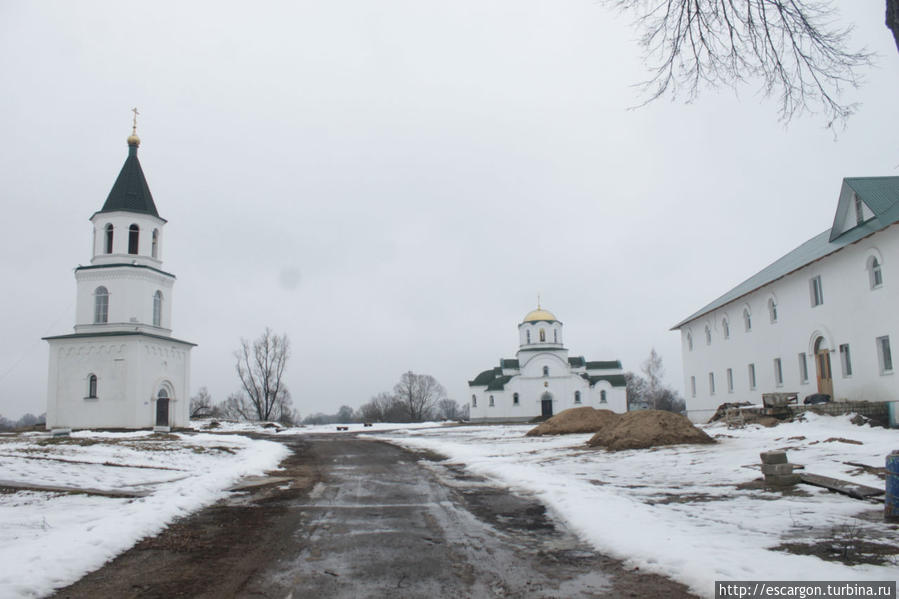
[{"x": 392, "y": 183}]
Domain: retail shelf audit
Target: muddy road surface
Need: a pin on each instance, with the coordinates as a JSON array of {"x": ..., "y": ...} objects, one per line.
[{"x": 361, "y": 518}]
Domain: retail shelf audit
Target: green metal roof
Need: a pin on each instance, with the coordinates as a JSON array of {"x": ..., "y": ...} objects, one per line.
[
  {"x": 508, "y": 363},
  {"x": 482, "y": 379},
  {"x": 616, "y": 380},
  {"x": 498, "y": 383},
  {"x": 604, "y": 365},
  {"x": 880, "y": 194},
  {"x": 577, "y": 361},
  {"x": 130, "y": 191}
]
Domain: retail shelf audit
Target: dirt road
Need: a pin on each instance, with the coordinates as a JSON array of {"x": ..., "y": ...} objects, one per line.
[{"x": 362, "y": 518}]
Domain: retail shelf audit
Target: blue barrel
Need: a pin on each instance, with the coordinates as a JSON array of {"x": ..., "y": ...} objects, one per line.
[{"x": 891, "y": 503}]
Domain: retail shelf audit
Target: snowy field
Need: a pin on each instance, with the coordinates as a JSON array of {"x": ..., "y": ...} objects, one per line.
[
  {"x": 677, "y": 511},
  {"x": 50, "y": 539}
]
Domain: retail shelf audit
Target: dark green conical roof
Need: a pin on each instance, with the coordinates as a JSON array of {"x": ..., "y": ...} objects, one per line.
[{"x": 130, "y": 191}]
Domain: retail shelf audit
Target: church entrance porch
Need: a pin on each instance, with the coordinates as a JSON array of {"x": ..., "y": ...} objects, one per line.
[
  {"x": 162, "y": 411},
  {"x": 546, "y": 405}
]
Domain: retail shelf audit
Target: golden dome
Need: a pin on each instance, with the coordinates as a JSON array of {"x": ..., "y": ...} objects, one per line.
[
  {"x": 133, "y": 140},
  {"x": 539, "y": 314}
]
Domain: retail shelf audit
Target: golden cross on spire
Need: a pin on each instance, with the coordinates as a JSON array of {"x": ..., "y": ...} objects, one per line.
[{"x": 134, "y": 121}]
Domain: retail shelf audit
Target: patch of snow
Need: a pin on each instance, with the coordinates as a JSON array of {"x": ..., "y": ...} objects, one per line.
[
  {"x": 677, "y": 511},
  {"x": 49, "y": 540}
]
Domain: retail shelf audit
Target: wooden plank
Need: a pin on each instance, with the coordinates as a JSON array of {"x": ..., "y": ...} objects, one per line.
[
  {"x": 845, "y": 487},
  {"x": 81, "y": 490}
]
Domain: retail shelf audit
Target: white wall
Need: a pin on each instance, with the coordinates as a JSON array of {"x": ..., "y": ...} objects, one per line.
[
  {"x": 852, "y": 313},
  {"x": 121, "y": 222},
  {"x": 131, "y": 292}
]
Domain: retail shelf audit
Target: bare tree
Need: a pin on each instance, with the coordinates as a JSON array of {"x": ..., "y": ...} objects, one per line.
[
  {"x": 653, "y": 370},
  {"x": 790, "y": 45},
  {"x": 448, "y": 408},
  {"x": 201, "y": 405},
  {"x": 418, "y": 394},
  {"x": 260, "y": 367}
]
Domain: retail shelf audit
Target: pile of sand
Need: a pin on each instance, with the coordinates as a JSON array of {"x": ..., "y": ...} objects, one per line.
[
  {"x": 575, "y": 420},
  {"x": 648, "y": 428}
]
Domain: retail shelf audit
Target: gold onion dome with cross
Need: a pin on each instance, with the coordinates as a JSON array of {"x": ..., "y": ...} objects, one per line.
[{"x": 538, "y": 315}]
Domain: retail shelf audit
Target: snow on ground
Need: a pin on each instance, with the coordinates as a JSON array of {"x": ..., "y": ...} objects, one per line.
[
  {"x": 260, "y": 427},
  {"x": 677, "y": 511},
  {"x": 50, "y": 539}
]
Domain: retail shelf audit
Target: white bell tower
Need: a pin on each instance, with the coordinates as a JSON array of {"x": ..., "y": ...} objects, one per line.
[{"x": 122, "y": 367}]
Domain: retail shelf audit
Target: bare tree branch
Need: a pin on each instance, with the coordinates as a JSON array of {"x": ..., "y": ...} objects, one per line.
[{"x": 260, "y": 367}]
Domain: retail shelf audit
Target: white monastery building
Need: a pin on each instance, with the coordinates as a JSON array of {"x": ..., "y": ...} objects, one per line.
[
  {"x": 822, "y": 319},
  {"x": 543, "y": 380},
  {"x": 121, "y": 368}
]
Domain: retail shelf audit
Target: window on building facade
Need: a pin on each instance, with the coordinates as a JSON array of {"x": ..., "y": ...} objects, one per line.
[
  {"x": 92, "y": 386},
  {"x": 546, "y": 371},
  {"x": 772, "y": 310},
  {"x": 711, "y": 383},
  {"x": 778, "y": 373},
  {"x": 555, "y": 336},
  {"x": 154, "y": 247},
  {"x": 885, "y": 354},
  {"x": 528, "y": 333},
  {"x": 474, "y": 401},
  {"x": 602, "y": 396},
  {"x": 101, "y": 305},
  {"x": 157, "y": 309},
  {"x": 109, "y": 236},
  {"x": 725, "y": 328},
  {"x": 845, "y": 360},
  {"x": 692, "y": 386},
  {"x": 514, "y": 399},
  {"x": 490, "y": 402},
  {"x": 752, "y": 376},
  {"x": 875, "y": 273},
  {"x": 542, "y": 336},
  {"x": 577, "y": 397},
  {"x": 133, "y": 239},
  {"x": 816, "y": 291},
  {"x": 708, "y": 335},
  {"x": 859, "y": 211},
  {"x": 747, "y": 320},
  {"x": 689, "y": 342},
  {"x": 803, "y": 368},
  {"x": 730, "y": 380}
]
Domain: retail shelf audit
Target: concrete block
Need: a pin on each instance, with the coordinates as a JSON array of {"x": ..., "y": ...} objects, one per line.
[
  {"x": 774, "y": 457},
  {"x": 782, "y": 480},
  {"x": 777, "y": 469}
]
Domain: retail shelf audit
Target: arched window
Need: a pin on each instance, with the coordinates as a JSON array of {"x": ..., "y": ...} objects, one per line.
[
  {"x": 154, "y": 247},
  {"x": 875, "y": 272},
  {"x": 92, "y": 386},
  {"x": 725, "y": 328},
  {"x": 747, "y": 319},
  {"x": 555, "y": 335},
  {"x": 708, "y": 335},
  {"x": 157, "y": 309},
  {"x": 577, "y": 397},
  {"x": 529, "y": 336},
  {"x": 690, "y": 341},
  {"x": 490, "y": 403},
  {"x": 474, "y": 401},
  {"x": 602, "y": 396},
  {"x": 546, "y": 371},
  {"x": 133, "y": 239},
  {"x": 772, "y": 310},
  {"x": 163, "y": 393},
  {"x": 514, "y": 399},
  {"x": 101, "y": 305},
  {"x": 109, "y": 234},
  {"x": 542, "y": 335}
]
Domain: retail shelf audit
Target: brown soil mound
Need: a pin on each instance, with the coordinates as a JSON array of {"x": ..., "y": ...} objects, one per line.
[
  {"x": 648, "y": 428},
  {"x": 575, "y": 420}
]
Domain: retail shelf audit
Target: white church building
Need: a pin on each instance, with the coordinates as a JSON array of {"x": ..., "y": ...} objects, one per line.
[
  {"x": 822, "y": 319},
  {"x": 121, "y": 368},
  {"x": 542, "y": 379}
]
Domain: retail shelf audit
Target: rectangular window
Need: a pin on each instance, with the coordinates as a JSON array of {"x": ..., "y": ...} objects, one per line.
[
  {"x": 730, "y": 380},
  {"x": 692, "y": 386},
  {"x": 845, "y": 360},
  {"x": 816, "y": 291},
  {"x": 885, "y": 355},
  {"x": 778, "y": 373},
  {"x": 711, "y": 383},
  {"x": 803, "y": 368},
  {"x": 752, "y": 377}
]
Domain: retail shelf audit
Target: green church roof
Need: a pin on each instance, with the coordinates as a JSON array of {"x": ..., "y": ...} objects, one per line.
[{"x": 130, "y": 192}]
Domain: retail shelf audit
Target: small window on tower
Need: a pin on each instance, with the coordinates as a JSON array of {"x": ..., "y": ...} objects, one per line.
[
  {"x": 555, "y": 336},
  {"x": 542, "y": 335},
  {"x": 101, "y": 305},
  {"x": 109, "y": 234},
  {"x": 154, "y": 248},
  {"x": 546, "y": 371},
  {"x": 92, "y": 386},
  {"x": 133, "y": 239},
  {"x": 157, "y": 309}
]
